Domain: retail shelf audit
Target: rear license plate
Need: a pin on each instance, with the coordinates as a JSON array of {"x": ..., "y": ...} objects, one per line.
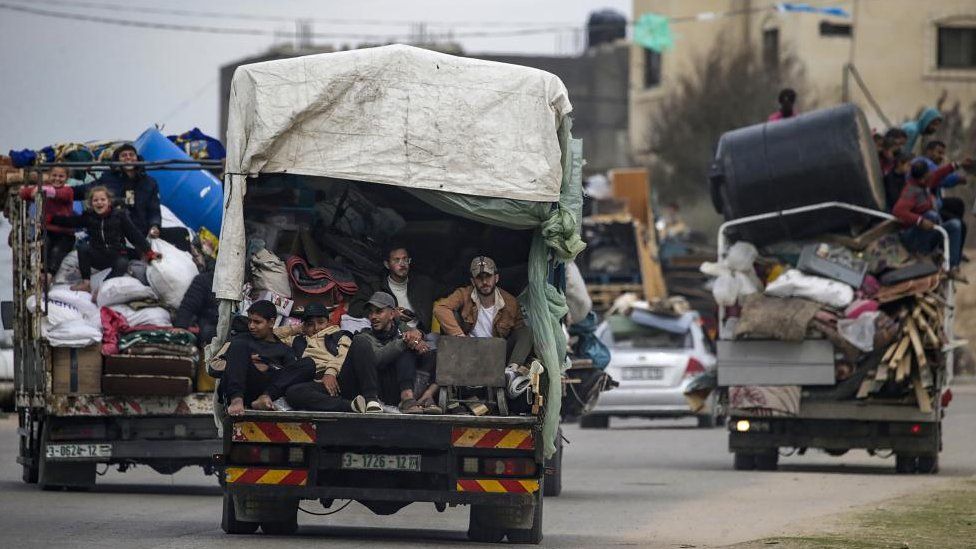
[
  {"x": 643, "y": 373},
  {"x": 381, "y": 462},
  {"x": 78, "y": 451}
]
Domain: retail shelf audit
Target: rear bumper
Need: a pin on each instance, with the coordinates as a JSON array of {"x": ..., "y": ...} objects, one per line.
[
  {"x": 383, "y": 494},
  {"x": 664, "y": 402},
  {"x": 777, "y": 432}
]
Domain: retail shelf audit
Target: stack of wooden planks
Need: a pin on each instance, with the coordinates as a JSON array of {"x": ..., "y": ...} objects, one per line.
[{"x": 914, "y": 356}]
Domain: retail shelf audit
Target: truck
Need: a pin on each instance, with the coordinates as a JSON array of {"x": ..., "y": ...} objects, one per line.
[
  {"x": 467, "y": 156},
  {"x": 67, "y": 426},
  {"x": 830, "y": 417}
]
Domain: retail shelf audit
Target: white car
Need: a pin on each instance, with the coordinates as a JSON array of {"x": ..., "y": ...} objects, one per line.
[{"x": 654, "y": 361}]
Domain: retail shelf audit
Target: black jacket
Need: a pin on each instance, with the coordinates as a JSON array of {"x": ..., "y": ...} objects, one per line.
[
  {"x": 893, "y": 184},
  {"x": 421, "y": 290},
  {"x": 108, "y": 232},
  {"x": 199, "y": 304},
  {"x": 274, "y": 353},
  {"x": 142, "y": 200}
]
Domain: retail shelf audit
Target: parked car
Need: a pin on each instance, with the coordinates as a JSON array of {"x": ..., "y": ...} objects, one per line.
[{"x": 654, "y": 358}]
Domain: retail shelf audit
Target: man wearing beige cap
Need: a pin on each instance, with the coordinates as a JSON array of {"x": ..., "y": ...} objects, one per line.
[{"x": 485, "y": 310}]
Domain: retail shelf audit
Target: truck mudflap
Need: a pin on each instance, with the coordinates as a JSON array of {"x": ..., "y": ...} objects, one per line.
[{"x": 101, "y": 405}]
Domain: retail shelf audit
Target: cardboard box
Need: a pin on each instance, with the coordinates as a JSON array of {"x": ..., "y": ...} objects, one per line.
[{"x": 76, "y": 370}]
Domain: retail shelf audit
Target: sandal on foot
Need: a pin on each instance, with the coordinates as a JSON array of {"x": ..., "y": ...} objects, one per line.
[{"x": 411, "y": 406}]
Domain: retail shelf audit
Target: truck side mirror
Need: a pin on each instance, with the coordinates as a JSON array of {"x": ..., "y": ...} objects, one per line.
[{"x": 7, "y": 314}]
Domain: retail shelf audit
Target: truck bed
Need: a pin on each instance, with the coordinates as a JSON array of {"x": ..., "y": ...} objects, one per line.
[{"x": 852, "y": 410}]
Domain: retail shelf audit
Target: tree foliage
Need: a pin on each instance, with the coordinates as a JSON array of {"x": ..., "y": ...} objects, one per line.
[{"x": 729, "y": 88}]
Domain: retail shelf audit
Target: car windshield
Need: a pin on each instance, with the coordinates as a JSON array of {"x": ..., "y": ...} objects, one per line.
[{"x": 627, "y": 333}]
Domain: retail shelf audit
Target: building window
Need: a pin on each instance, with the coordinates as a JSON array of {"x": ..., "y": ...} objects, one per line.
[
  {"x": 834, "y": 29},
  {"x": 652, "y": 68},
  {"x": 957, "y": 47},
  {"x": 770, "y": 48}
]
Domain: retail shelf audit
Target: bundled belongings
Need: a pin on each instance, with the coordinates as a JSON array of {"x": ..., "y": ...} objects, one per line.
[
  {"x": 880, "y": 310},
  {"x": 152, "y": 361}
]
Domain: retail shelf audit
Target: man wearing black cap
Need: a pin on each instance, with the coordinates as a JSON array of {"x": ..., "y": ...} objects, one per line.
[
  {"x": 259, "y": 366},
  {"x": 383, "y": 358},
  {"x": 327, "y": 346}
]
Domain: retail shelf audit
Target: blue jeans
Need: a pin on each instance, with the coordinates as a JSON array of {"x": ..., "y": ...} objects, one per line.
[{"x": 919, "y": 240}]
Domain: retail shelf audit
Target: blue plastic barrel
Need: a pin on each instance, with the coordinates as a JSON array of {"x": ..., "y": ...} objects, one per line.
[{"x": 194, "y": 196}]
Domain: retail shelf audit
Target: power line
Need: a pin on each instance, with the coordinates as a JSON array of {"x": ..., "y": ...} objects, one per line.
[{"x": 280, "y": 18}]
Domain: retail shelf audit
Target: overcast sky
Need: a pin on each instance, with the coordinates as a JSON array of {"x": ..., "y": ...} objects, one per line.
[{"x": 67, "y": 79}]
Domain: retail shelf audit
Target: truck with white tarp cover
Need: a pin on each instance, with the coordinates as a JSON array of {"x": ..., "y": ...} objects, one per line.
[{"x": 458, "y": 147}]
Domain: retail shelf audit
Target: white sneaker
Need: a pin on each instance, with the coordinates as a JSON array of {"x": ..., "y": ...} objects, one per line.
[
  {"x": 374, "y": 407},
  {"x": 359, "y": 404}
]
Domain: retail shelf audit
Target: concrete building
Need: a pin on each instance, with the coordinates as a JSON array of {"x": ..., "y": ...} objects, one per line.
[
  {"x": 908, "y": 53},
  {"x": 597, "y": 83}
]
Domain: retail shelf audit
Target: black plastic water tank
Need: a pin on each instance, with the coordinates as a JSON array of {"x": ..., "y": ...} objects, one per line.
[
  {"x": 820, "y": 156},
  {"x": 605, "y": 26}
]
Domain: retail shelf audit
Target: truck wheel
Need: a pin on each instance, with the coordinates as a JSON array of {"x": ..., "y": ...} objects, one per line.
[
  {"x": 706, "y": 421},
  {"x": 532, "y": 535},
  {"x": 594, "y": 422},
  {"x": 229, "y": 523},
  {"x": 768, "y": 461},
  {"x": 552, "y": 485},
  {"x": 481, "y": 527},
  {"x": 743, "y": 462},
  {"x": 928, "y": 465},
  {"x": 280, "y": 527},
  {"x": 905, "y": 465}
]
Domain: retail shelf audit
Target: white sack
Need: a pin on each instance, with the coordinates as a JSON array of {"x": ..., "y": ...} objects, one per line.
[
  {"x": 74, "y": 333},
  {"x": 98, "y": 277},
  {"x": 577, "y": 298},
  {"x": 793, "y": 283},
  {"x": 58, "y": 312},
  {"x": 170, "y": 276},
  {"x": 152, "y": 316},
  {"x": 80, "y": 300},
  {"x": 353, "y": 324},
  {"x": 68, "y": 272},
  {"x": 122, "y": 289},
  {"x": 741, "y": 256},
  {"x": 859, "y": 331},
  {"x": 269, "y": 272},
  {"x": 725, "y": 290},
  {"x": 713, "y": 269}
]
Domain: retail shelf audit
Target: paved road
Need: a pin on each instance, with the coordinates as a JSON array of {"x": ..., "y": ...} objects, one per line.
[{"x": 639, "y": 484}]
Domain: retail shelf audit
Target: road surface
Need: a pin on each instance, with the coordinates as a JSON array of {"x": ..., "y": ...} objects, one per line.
[{"x": 638, "y": 484}]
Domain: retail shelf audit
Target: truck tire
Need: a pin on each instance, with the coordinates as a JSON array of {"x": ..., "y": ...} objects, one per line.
[
  {"x": 552, "y": 486},
  {"x": 743, "y": 462},
  {"x": 928, "y": 465},
  {"x": 30, "y": 447},
  {"x": 280, "y": 527},
  {"x": 594, "y": 422},
  {"x": 768, "y": 461},
  {"x": 229, "y": 523},
  {"x": 533, "y": 535},
  {"x": 481, "y": 526},
  {"x": 706, "y": 421},
  {"x": 905, "y": 465}
]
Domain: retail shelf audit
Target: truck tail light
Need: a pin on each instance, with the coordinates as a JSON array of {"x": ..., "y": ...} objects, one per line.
[
  {"x": 509, "y": 467},
  {"x": 258, "y": 454},
  {"x": 693, "y": 368},
  {"x": 916, "y": 429}
]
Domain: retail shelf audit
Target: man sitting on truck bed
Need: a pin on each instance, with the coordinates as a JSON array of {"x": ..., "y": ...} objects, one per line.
[
  {"x": 485, "y": 310},
  {"x": 260, "y": 367},
  {"x": 916, "y": 211},
  {"x": 327, "y": 346},
  {"x": 414, "y": 293},
  {"x": 382, "y": 361}
]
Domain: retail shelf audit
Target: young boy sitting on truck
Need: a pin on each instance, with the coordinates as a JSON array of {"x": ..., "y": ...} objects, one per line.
[
  {"x": 327, "y": 346},
  {"x": 260, "y": 367},
  {"x": 916, "y": 211},
  {"x": 59, "y": 199}
]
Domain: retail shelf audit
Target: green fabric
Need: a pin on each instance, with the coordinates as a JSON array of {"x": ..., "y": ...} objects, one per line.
[
  {"x": 557, "y": 229},
  {"x": 653, "y": 31}
]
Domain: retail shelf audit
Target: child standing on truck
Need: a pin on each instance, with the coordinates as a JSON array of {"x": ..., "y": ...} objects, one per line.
[
  {"x": 108, "y": 228},
  {"x": 59, "y": 199}
]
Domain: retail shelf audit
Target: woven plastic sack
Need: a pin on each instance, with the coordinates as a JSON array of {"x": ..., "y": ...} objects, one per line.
[
  {"x": 171, "y": 275},
  {"x": 122, "y": 289}
]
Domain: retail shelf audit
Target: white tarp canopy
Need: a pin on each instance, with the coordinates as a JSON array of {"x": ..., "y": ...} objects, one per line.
[{"x": 404, "y": 116}]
